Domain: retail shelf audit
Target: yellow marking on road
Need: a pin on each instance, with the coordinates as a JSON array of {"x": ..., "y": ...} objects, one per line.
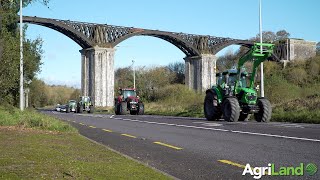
[
  {"x": 168, "y": 145},
  {"x": 81, "y": 124},
  {"x": 92, "y": 126},
  {"x": 128, "y": 135},
  {"x": 106, "y": 130},
  {"x": 232, "y": 163}
]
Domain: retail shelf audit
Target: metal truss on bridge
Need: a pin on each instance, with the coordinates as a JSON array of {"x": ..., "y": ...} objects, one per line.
[{"x": 90, "y": 34}]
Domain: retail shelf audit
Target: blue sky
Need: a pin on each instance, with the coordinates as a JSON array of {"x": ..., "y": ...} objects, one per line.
[{"x": 225, "y": 18}]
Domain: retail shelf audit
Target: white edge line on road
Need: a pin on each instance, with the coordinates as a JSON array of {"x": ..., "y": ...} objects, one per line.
[{"x": 223, "y": 130}]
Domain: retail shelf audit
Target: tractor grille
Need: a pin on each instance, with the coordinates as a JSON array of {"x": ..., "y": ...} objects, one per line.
[{"x": 251, "y": 97}]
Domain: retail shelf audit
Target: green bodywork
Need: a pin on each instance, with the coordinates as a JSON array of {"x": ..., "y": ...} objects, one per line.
[
  {"x": 72, "y": 104},
  {"x": 236, "y": 79}
]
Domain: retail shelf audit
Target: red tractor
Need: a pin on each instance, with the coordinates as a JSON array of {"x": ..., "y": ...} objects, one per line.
[{"x": 128, "y": 101}]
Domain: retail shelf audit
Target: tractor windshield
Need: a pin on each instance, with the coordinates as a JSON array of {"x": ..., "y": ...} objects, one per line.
[
  {"x": 243, "y": 82},
  {"x": 128, "y": 93},
  {"x": 232, "y": 80}
]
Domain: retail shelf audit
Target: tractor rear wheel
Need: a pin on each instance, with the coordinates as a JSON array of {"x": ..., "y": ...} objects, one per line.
[
  {"x": 80, "y": 108},
  {"x": 123, "y": 108},
  {"x": 141, "y": 109},
  {"x": 67, "y": 109},
  {"x": 231, "y": 109},
  {"x": 265, "y": 110},
  {"x": 117, "y": 108},
  {"x": 211, "y": 110},
  {"x": 91, "y": 110}
]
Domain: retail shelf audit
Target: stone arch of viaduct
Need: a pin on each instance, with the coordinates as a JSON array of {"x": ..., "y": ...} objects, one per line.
[{"x": 98, "y": 43}]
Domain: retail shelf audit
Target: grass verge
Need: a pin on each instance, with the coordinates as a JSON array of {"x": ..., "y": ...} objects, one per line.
[
  {"x": 35, "y": 154},
  {"x": 36, "y": 146},
  {"x": 10, "y": 116}
]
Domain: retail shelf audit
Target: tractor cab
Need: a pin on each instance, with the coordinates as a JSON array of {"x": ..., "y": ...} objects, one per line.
[{"x": 128, "y": 93}]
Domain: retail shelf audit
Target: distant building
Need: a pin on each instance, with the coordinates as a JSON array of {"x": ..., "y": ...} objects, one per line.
[{"x": 295, "y": 49}]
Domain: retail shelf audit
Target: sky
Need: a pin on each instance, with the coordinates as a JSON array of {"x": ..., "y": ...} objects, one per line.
[{"x": 223, "y": 18}]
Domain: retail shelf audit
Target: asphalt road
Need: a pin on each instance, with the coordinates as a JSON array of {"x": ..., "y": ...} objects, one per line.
[{"x": 193, "y": 148}]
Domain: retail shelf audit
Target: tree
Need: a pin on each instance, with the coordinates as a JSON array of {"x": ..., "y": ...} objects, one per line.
[
  {"x": 282, "y": 34},
  {"x": 9, "y": 51},
  {"x": 178, "y": 69},
  {"x": 271, "y": 37},
  {"x": 38, "y": 93},
  {"x": 76, "y": 94}
]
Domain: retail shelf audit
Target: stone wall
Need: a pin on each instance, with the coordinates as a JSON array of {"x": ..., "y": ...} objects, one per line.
[{"x": 299, "y": 49}]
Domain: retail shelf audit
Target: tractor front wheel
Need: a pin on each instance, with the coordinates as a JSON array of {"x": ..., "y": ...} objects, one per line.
[
  {"x": 211, "y": 109},
  {"x": 141, "y": 109},
  {"x": 265, "y": 110},
  {"x": 123, "y": 108},
  {"x": 231, "y": 109}
]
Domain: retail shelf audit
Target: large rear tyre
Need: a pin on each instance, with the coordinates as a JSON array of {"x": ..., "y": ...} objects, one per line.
[
  {"x": 265, "y": 110},
  {"x": 231, "y": 109},
  {"x": 117, "y": 108},
  {"x": 211, "y": 110},
  {"x": 123, "y": 108},
  {"x": 67, "y": 109},
  {"x": 80, "y": 109},
  {"x": 91, "y": 110},
  {"x": 141, "y": 109}
]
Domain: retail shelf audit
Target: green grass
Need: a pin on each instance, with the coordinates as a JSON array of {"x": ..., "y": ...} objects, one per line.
[
  {"x": 37, "y": 146},
  {"x": 10, "y": 116},
  {"x": 38, "y": 154}
]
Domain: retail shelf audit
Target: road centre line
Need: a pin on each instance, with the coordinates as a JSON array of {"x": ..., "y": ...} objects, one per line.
[
  {"x": 128, "y": 135},
  {"x": 82, "y": 124},
  {"x": 232, "y": 163},
  {"x": 167, "y": 145},
  {"x": 225, "y": 130},
  {"x": 92, "y": 126},
  {"x": 107, "y": 130}
]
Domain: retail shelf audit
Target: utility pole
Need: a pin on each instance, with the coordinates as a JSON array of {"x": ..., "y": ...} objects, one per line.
[
  {"x": 134, "y": 75},
  {"x": 21, "y": 61},
  {"x": 261, "y": 70}
]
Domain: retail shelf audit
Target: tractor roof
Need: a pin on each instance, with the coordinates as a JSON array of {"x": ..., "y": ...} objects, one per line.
[{"x": 127, "y": 89}]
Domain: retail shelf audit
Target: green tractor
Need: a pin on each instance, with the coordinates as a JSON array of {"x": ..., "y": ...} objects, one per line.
[
  {"x": 234, "y": 97},
  {"x": 85, "y": 104},
  {"x": 71, "y": 106}
]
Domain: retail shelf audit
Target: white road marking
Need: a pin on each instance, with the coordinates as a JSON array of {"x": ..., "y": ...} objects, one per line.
[
  {"x": 290, "y": 125},
  {"x": 211, "y": 124},
  {"x": 224, "y": 130}
]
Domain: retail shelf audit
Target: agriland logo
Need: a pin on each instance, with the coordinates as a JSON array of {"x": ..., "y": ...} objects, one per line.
[{"x": 270, "y": 170}]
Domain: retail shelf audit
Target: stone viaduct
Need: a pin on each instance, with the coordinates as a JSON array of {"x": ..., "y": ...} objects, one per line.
[{"x": 98, "y": 42}]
